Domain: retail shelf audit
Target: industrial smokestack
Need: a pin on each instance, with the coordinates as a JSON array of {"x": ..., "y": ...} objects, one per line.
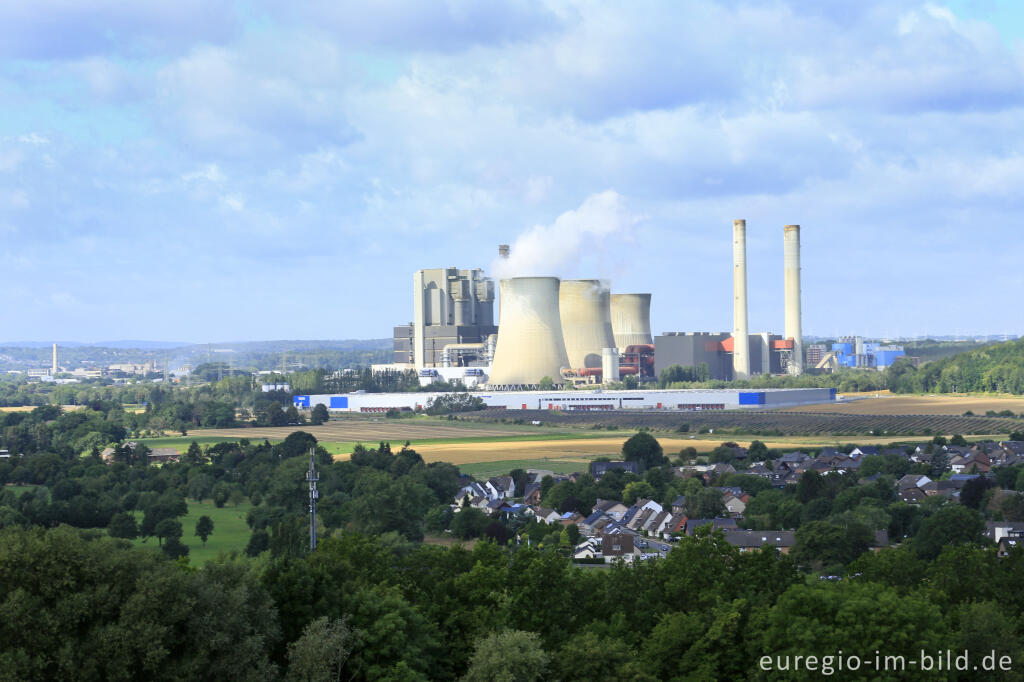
[
  {"x": 53, "y": 369},
  {"x": 631, "y": 320},
  {"x": 740, "y": 335},
  {"x": 503, "y": 251},
  {"x": 530, "y": 343},
  {"x": 585, "y": 310},
  {"x": 791, "y": 262}
]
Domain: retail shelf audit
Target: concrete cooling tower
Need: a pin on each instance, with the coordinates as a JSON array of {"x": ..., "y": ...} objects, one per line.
[
  {"x": 530, "y": 343},
  {"x": 585, "y": 310},
  {"x": 631, "y": 319}
]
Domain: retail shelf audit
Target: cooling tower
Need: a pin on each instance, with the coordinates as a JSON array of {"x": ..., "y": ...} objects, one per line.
[
  {"x": 631, "y": 320},
  {"x": 585, "y": 310},
  {"x": 791, "y": 263},
  {"x": 530, "y": 343},
  {"x": 740, "y": 336}
]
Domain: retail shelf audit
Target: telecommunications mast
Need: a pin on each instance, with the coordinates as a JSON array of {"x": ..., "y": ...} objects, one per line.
[{"x": 314, "y": 494}]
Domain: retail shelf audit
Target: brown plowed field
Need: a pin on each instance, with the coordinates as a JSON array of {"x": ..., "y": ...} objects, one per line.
[
  {"x": 887, "y": 404},
  {"x": 774, "y": 422}
]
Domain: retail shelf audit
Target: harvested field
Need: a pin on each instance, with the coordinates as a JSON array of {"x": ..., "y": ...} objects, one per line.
[
  {"x": 777, "y": 423},
  {"x": 889, "y": 404},
  {"x": 565, "y": 449},
  {"x": 559, "y": 453}
]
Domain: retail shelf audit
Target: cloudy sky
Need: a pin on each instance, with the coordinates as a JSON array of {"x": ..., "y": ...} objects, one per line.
[{"x": 209, "y": 170}]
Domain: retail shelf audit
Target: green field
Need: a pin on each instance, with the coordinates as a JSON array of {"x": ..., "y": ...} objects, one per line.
[
  {"x": 230, "y": 531},
  {"x": 19, "y": 490},
  {"x": 483, "y": 470},
  {"x": 181, "y": 443}
]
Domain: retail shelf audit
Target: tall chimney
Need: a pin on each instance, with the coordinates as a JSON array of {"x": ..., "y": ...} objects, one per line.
[
  {"x": 53, "y": 368},
  {"x": 503, "y": 251},
  {"x": 740, "y": 335},
  {"x": 791, "y": 262}
]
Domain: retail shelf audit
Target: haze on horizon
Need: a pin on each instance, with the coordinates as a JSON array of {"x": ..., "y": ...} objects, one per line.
[{"x": 208, "y": 169}]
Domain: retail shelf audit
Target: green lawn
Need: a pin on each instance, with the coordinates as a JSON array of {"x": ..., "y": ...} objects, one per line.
[
  {"x": 19, "y": 490},
  {"x": 230, "y": 532},
  {"x": 487, "y": 469},
  {"x": 181, "y": 443}
]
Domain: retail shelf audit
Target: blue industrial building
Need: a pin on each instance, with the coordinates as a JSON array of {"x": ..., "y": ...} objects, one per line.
[{"x": 866, "y": 355}]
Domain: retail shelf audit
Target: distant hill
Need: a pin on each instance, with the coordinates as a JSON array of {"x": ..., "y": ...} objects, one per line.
[
  {"x": 257, "y": 355},
  {"x": 998, "y": 368}
]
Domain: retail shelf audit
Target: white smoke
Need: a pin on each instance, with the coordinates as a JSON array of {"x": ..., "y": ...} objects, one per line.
[{"x": 550, "y": 250}]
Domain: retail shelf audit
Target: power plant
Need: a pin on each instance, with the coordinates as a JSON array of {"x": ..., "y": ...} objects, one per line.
[
  {"x": 577, "y": 332},
  {"x": 631, "y": 319},
  {"x": 453, "y": 318},
  {"x": 530, "y": 342},
  {"x": 584, "y": 306}
]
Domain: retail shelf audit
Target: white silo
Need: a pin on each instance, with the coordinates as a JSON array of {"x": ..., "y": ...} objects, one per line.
[
  {"x": 530, "y": 343},
  {"x": 585, "y": 310},
  {"x": 631, "y": 320}
]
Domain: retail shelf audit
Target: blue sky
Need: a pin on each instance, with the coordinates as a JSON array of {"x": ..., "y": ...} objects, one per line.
[{"x": 218, "y": 170}]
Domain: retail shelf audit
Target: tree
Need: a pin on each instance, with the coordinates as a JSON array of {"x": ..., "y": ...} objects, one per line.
[
  {"x": 509, "y": 656},
  {"x": 636, "y": 490},
  {"x": 973, "y": 492},
  {"x": 824, "y": 544},
  {"x": 167, "y": 529},
  {"x": 221, "y": 493},
  {"x": 319, "y": 415},
  {"x": 122, "y": 525},
  {"x": 645, "y": 449},
  {"x": 953, "y": 524},
  {"x": 546, "y": 383},
  {"x": 200, "y": 487},
  {"x": 630, "y": 382},
  {"x": 259, "y": 542},
  {"x": 204, "y": 527},
  {"x": 590, "y": 657},
  {"x": 175, "y": 548},
  {"x": 705, "y": 503},
  {"x": 319, "y": 655},
  {"x": 757, "y": 451},
  {"x": 469, "y": 523},
  {"x": 194, "y": 454}
]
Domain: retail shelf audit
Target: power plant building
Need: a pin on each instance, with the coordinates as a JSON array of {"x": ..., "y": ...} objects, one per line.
[
  {"x": 453, "y": 317},
  {"x": 584, "y": 308},
  {"x": 631, "y": 320},
  {"x": 692, "y": 349},
  {"x": 530, "y": 343}
]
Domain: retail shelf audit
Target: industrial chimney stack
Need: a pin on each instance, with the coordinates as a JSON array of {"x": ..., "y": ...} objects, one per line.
[
  {"x": 791, "y": 261},
  {"x": 740, "y": 334},
  {"x": 53, "y": 369}
]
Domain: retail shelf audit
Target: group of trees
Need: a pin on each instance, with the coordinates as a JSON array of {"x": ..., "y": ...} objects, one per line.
[
  {"x": 379, "y": 608},
  {"x": 997, "y": 368}
]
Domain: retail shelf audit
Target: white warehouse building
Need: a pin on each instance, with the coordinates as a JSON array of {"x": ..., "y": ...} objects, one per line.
[{"x": 679, "y": 399}]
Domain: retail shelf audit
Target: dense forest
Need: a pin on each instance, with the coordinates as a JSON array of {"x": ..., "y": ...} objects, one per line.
[
  {"x": 997, "y": 368},
  {"x": 373, "y": 602}
]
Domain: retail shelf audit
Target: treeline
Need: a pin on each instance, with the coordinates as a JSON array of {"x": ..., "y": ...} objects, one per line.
[
  {"x": 366, "y": 608},
  {"x": 843, "y": 379},
  {"x": 997, "y": 368}
]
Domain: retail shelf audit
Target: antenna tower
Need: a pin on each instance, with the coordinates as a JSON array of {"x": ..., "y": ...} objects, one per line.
[{"x": 312, "y": 477}]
